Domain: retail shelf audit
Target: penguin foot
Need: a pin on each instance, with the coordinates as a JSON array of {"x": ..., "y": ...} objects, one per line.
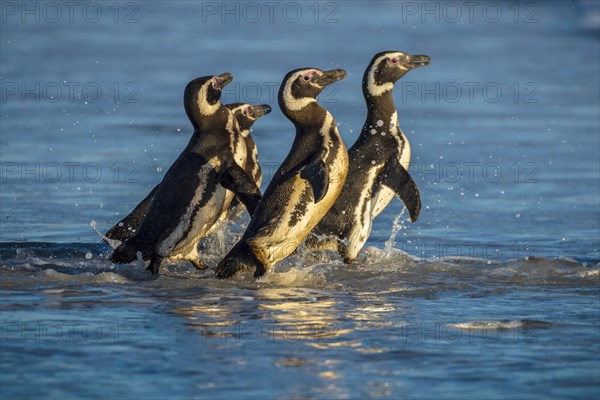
[
  {"x": 198, "y": 264},
  {"x": 225, "y": 271},
  {"x": 260, "y": 271},
  {"x": 240, "y": 257},
  {"x": 124, "y": 254},
  {"x": 154, "y": 264},
  {"x": 348, "y": 259}
]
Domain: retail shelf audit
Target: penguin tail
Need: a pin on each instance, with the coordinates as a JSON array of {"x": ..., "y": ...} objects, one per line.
[
  {"x": 240, "y": 257},
  {"x": 124, "y": 254},
  {"x": 117, "y": 233}
]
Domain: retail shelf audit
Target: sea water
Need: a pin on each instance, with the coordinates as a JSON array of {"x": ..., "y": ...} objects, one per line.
[{"x": 492, "y": 293}]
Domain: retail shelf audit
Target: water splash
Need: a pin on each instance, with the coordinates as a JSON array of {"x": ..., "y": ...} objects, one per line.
[
  {"x": 397, "y": 226},
  {"x": 112, "y": 243},
  {"x": 139, "y": 263}
]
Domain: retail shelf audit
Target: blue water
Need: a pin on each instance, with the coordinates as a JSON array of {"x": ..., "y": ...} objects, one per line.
[{"x": 493, "y": 293}]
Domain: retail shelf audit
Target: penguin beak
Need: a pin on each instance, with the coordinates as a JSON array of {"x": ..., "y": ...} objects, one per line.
[
  {"x": 223, "y": 80},
  {"x": 418, "y": 61},
  {"x": 328, "y": 77},
  {"x": 259, "y": 111}
]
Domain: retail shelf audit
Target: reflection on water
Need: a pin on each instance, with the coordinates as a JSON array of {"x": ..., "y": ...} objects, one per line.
[{"x": 265, "y": 314}]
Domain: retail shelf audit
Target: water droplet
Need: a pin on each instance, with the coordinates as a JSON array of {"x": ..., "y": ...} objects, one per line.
[
  {"x": 373, "y": 131},
  {"x": 379, "y": 122},
  {"x": 88, "y": 256},
  {"x": 159, "y": 169},
  {"x": 372, "y": 162}
]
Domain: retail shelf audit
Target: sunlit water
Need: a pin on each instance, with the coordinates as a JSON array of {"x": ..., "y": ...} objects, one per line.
[{"x": 493, "y": 292}]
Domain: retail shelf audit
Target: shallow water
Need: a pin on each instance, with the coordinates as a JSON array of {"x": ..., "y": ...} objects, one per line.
[{"x": 493, "y": 293}]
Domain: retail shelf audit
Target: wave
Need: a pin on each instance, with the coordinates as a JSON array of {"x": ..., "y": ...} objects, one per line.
[{"x": 376, "y": 270}]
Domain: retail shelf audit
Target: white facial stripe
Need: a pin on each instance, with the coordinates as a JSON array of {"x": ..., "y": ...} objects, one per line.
[
  {"x": 290, "y": 101},
  {"x": 372, "y": 86},
  {"x": 205, "y": 108},
  {"x": 243, "y": 132}
]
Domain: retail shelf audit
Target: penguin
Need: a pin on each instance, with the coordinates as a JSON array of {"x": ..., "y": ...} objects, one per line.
[
  {"x": 245, "y": 115},
  {"x": 193, "y": 192},
  {"x": 379, "y": 161},
  {"x": 306, "y": 184}
]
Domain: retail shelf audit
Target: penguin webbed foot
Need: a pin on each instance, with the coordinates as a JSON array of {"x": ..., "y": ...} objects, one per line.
[
  {"x": 259, "y": 271},
  {"x": 154, "y": 265},
  {"x": 240, "y": 257},
  {"x": 198, "y": 264},
  {"x": 224, "y": 271}
]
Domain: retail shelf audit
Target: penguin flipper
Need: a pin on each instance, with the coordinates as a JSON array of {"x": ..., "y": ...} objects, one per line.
[
  {"x": 237, "y": 180},
  {"x": 129, "y": 225},
  {"x": 316, "y": 175},
  {"x": 397, "y": 178}
]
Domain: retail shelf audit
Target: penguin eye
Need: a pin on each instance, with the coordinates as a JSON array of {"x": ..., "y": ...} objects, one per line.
[
  {"x": 307, "y": 78},
  {"x": 394, "y": 60}
]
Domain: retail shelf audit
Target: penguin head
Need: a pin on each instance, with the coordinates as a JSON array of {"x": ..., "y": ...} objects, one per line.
[
  {"x": 386, "y": 68},
  {"x": 247, "y": 114},
  {"x": 202, "y": 97},
  {"x": 301, "y": 87}
]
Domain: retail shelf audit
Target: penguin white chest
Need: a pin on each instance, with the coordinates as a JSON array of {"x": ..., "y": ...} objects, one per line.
[
  {"x": 197, "y": 219},
  {"x": 385, "y": 195}
]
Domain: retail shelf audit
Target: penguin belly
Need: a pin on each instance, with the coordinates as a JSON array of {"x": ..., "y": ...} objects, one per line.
[
  {"x": 279, "y": 239},
  {"x": 385, "y": 195},
  {"x": 240, "y": 155},
  {"x": 203, "y": 211}
]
